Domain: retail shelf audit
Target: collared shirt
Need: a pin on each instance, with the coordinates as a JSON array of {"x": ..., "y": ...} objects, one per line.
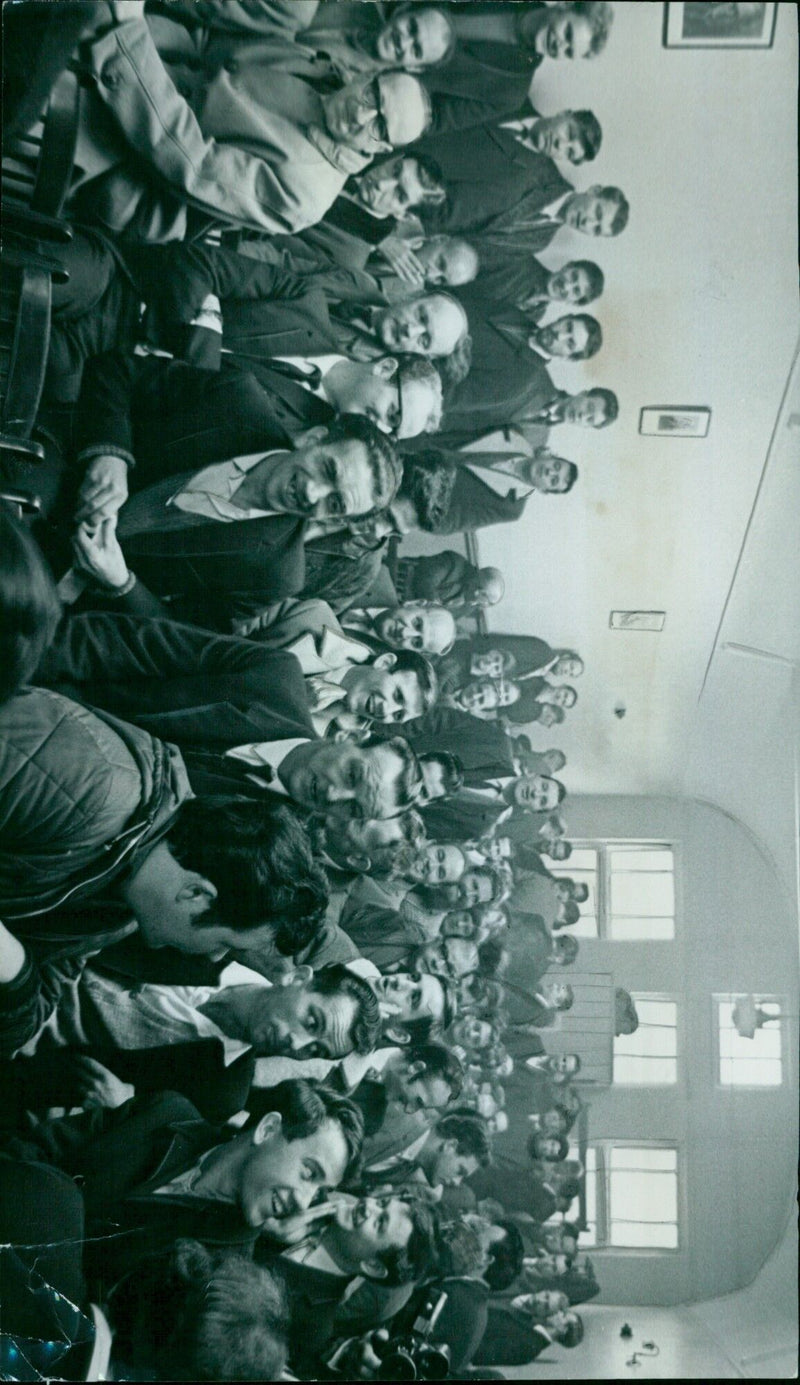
[
  {"x": 400, "y": 1161},
  {"x": 309, "y": 365},
  {"x": 211, "y": 491},
  {"x": 268, "y": 755}
]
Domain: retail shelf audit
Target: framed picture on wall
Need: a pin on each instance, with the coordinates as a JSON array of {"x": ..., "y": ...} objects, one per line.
[
  {"x": 717, "y": 24},
  {"x": 637, "y": 620},
  {"x": 674, "y": 421}
]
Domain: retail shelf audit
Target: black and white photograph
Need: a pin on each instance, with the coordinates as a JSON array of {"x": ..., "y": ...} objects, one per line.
[{"x": 399, "y": 706}]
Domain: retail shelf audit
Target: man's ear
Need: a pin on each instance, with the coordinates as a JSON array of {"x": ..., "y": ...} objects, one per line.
[
  {"x": 387, "y": 660},
  {"x": 373, "y": 1269},
  {"x": 385, "y": 367},
  {"x": 396, "y": 1034},
  {"x": 196, "y": 891},
  {"x": 298, "y": 976},
  {"x": 450, "y": 1145},
  {"x": 267, "y": 1127},
  {"x": 358, "y": 863},
  {"x": 311, "y": 437},
  {"x": 415, "y": 1070}
]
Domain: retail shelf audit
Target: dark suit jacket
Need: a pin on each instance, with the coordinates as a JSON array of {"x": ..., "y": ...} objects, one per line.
[
  {"x": 503, "y": 278},
  {"x": 506, "y": 382},
  {"x": 483, "y": 81},
  {"x": 123, "y": 1156},
  {"x": 474, "y": 505},
  {"x": 460, "y": 819},
  {"x": 481, "y": 746},
  {"x": 172, "y": 419},
  {"x": 488, "y": 176},
  {"x": 511, "y": 1338}
]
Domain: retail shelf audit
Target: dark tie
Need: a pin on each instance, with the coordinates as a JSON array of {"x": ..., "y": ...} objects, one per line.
[{"x": 311, "y": 377}]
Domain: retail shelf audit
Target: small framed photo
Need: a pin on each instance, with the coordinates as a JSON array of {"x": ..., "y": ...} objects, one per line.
[
  {"x": 637, "y": 620},
  {"x": 715, "y": 24},
  {"x": 674, "y": 421}
]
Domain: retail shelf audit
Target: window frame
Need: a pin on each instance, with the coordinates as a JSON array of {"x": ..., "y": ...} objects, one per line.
[
  {"x": 603, "y": 1218},
  {"x": 725, "y": 997},
  {"x": 602, "y": 846}
]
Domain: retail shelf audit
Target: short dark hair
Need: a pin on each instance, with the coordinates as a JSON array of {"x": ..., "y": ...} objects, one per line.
[
  {"x": 304, "y": 1105},
  {"x": 431, "y": 178},
  {"x": 29, "y": 606},
  {"x": 491, "y": 955},
  {"x": 600, "y": 15},
  {"x": 563, "y": 1144},
  {"x": 594, "y": 338},
  {"x": 428, "y": 482},
  {"x": 572, "y": 1334},
  {"x": 507, "y": 1256},
  {"x": 460, "y": 1251},
  {"x": 440, "y": 1061},
  {"x": 561, "y": 787},
  {"x": 339, "y": 980},
  {"x": 410, "y": 661},
  {"x": 409, "y": 783},
  {"x": 571, "y": 913},
  {"x": 190, "y": 1313},
  {"x": 258, "y": 856},
  {"x": 416, "y": 1260},
  {"x": 617, "y": 197},
  {"x": 591, "y": 132},
  {"x": 610, "y": 402},
  {"x": 384, "y": 461},
  {"x": 568, "y": 1188},
  {"x": 597, "y": 282},
  {"x": 470, "y": 1132},
  {"x": 452, "y": 769}
]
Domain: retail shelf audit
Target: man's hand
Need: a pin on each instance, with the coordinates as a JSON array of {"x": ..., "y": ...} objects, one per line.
[
  {"x": 98, "y": 1086},
  {"x": 360, "y": 1360},
  {"x": 400, "y": 255},
  {"x": 290, "y": 1230},
  {"x": 97, "y": 552},
  {"x": 104, "y": 490},
  {"x": 12, "y": 956}
]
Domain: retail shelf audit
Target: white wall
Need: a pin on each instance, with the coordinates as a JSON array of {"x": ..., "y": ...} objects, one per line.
[{"x": 700, "y": 308}]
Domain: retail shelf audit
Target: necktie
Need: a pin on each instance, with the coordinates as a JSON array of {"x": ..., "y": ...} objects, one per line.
[{"x": 311, "y": 377}]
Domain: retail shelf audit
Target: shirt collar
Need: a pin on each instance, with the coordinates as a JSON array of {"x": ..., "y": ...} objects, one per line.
[{"x": 271, "y": 754}]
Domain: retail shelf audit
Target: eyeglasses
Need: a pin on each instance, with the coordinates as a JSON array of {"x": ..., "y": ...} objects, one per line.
[{"x": 370, "y": 100}]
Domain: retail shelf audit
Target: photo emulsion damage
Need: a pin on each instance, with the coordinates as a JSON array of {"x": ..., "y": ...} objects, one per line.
[{"x": 399, "y": 690}]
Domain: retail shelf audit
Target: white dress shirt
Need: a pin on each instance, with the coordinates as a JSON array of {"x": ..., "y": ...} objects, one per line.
[{"x": 210, "y": 493}]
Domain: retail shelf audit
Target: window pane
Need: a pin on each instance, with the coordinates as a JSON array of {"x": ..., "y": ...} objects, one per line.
[
  {"x": 645, "y": 1072},
  {"x": 656, "y": 1042},
  {"x": 632, "y": 929},
  {"x": 650, "y": 894},
  {"x": 635, "y": 857},
  {"x": 644, "y": 1235},
  {"x": 655, "y": 1012},
  {"x": 656, "y": 1157},
  {"x": 582, "y": 858},
  {"x": 750, "y": 1072}
]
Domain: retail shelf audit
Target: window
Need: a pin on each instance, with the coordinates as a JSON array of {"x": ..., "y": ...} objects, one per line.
[
  {"x": 631, "y": 1197},
  {"x": 755, "y": 1061},
  {"x": 649, "y": 1056},
  {"x": 631, "y": 890}
]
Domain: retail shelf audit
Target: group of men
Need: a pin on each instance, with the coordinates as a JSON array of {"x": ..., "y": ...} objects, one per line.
[{"x": 272, "y": 846}]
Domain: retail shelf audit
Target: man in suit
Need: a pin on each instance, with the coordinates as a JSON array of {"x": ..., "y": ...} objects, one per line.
[
  {"x": 260, "y": 147},
  {"x": 513, "y": 1337},
  {"x": 441, "y": 497},
  {"x": 413, "y": 1150},
  {"x": 235, "y": 532},
  {"x": 450, "y": 578},
  {"x": 143, "y": 1170}
]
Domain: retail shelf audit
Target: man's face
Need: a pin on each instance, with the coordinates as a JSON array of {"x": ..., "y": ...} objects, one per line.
[
  {"x": 568, "y": 666},
  {"x": 486, "y": 695},
  {"x": 451, "y": 1168},
  {"x": 498, "y": 849},
  {"x": 563, "y": 696},
  {"x": 563, "y": 35},
  {"x": 376, "y": 114},
  {"x": 382, "y": 693},
  {"x": 449, "y": 957},
  {"x": 563, "y": 1063},
  {"x": 471, "y": 1032},
  {"x": 345, "y": 779},
  {"x": 366, "y": 1227},
  {"x": 410, "y": 995},
  {"x": 459, "y": 923},
  {"x": 429, "y": 325},
  {"x": 590, "y": 212},
  {"x": 414, "y": 39},
  {"x": 447, "y": 262},
  {"x": 321, "y": 480},
  {"x": 546, "y": 1266},
  {"x": 292, "y": 1020},
  {"x": 565, "y": 337},
  {"x": 281, "y": 1177},
  {"x": 475, "y": 888},
  {"x": 426, "y": 629},
  {"x": 556, "y": 992},
  {"x": 426, "y": 1092},
  {"x": 536, "y": 793},
  {"x": 391, "y": 187},
  {"x": 436, "y": 864},
  {"x": 367, "y": 387},
  {"x": 585, "y": 410},
  {"x": 547, "y": 1147},
  {"x": 570, "y": 284},
  {"x": 560, "y": 137},
  {"x": 488, "y": 665},
  {"x": 551, "y": 474}
]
